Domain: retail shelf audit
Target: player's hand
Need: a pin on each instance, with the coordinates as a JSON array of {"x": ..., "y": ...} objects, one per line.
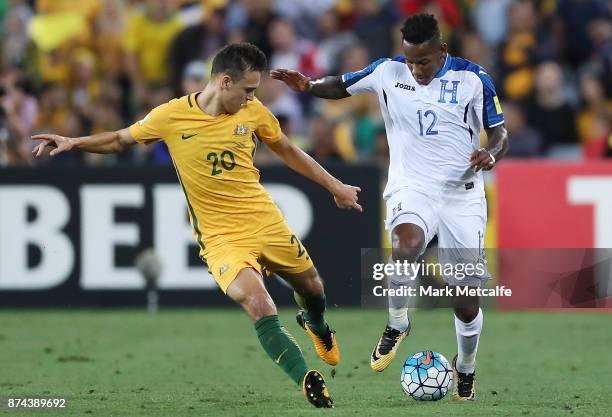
[
  {"x": 345, "y": 197},
  {"x": 58, "y": 143},
  {"x": 295, "y": 80},
  {"x": 482, "y": 159}
]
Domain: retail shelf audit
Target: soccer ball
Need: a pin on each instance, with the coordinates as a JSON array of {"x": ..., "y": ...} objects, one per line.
[{"x": 426, "y": 376}]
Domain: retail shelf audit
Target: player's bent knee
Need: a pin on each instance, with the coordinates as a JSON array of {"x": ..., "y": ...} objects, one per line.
[
  {"x": 410, "y": 241},
  {"x": 306, "y": 283},
  {"x": 249, "y": 291},
  {"x": 409, "y": 248},
  {"x": 258, "y": 305},
  {"x": 406, "y": 254}
]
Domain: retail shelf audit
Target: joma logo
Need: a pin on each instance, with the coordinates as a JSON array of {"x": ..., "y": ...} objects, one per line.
[{"x": 404, "y": 86}]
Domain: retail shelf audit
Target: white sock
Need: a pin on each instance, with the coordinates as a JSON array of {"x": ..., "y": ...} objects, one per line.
[
  {"x": 398, "y": 305},
  {"x": 468, "y": 335},
  {"x": 398, "y": 318}
]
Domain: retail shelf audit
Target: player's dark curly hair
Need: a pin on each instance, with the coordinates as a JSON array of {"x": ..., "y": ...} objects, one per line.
[
  {"x": 420, "y": 28},
  {"x": 237, "y": 58}
]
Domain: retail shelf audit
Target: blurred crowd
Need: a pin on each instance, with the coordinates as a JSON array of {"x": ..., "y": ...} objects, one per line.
[{"x": 79, "y": 67}]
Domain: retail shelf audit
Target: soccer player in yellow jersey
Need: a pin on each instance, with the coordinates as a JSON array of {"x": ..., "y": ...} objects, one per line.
[{"x": 212, "y": 136}]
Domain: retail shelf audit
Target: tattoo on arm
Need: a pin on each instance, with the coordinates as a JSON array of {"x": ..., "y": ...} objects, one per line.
[
  {"x": 498, "y": 141},
  {"x": 328, "y": 87}
]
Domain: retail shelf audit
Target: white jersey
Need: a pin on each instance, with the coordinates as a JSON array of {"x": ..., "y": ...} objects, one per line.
[{"x": 432, "y": 129}]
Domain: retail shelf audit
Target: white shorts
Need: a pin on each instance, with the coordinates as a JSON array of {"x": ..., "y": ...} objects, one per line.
[{"x": 459, "y": 223}]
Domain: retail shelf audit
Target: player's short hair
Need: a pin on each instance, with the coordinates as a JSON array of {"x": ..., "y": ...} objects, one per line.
[
  {"x": 421, "y": 28},
  {"x": 238, "y": 58}
]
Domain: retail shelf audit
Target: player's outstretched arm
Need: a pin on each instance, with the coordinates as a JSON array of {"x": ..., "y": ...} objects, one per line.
[
  {"x": 485, "y": 158},
  {"x": 326, "y": 87},
  {"x": 107, "y": 142},
  {"x": 345, "y": 195}
]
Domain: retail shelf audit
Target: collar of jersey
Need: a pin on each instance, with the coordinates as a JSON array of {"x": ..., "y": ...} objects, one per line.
[{"x": 447, "y": 64}]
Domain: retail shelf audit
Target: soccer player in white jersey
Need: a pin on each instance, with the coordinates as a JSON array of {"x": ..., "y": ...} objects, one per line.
[{"x": 434, "y": 106}]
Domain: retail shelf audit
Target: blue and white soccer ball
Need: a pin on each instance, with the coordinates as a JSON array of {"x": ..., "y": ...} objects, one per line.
[{"x": 426, "y": 376}]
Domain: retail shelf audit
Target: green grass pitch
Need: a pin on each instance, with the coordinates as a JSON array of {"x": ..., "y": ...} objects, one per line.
[{"x": 209, "y": 363}]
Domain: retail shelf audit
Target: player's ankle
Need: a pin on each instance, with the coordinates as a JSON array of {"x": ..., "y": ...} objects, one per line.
[{"x": 398, "y": 319}]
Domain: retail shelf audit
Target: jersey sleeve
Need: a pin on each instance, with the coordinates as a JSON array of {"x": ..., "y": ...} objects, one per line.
[
  {"x": 152, "y": 127},
  {"x": 487, "y": 107},
  {"x": 365, "y": 80},
  {"x": 268, "y": 128}
]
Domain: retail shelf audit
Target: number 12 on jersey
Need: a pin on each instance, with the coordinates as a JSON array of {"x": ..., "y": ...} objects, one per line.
[{"x": 430, "y": 130}]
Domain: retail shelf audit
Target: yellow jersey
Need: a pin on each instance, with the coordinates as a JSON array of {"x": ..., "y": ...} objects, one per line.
[{"x": 213, "y": 158}]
